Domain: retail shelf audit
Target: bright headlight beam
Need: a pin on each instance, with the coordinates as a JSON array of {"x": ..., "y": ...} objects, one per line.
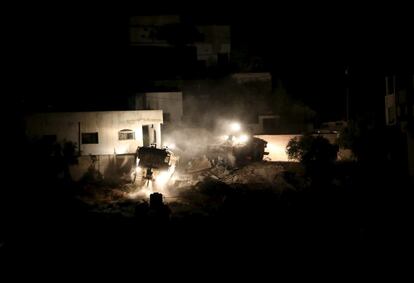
[
  {"x": 235, "y": 127},
  {"x": 163, "y": 178},
  {"x": 243, "y": 138}
]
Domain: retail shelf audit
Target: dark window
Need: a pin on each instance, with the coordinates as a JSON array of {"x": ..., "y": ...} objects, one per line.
[
  {"x": 126, "y": 134},
  {"x": 166, "y": 117},
  {"x": 145, "y": 135},
  {"x": 391, "y": 115},
  {"x": 404, "y": 110},
  {"x": 222, "y": 59},
  {"x": 90, "y": 138},
  {"x": 154, "y": 133}
]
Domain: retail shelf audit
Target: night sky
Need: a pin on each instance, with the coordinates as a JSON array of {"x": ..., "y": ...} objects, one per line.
[{"x": 81, "y": 53}]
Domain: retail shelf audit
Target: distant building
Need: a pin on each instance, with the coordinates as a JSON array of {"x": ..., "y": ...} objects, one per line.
[
  {"x": 399, "y": 111},
  {"x": 267, "y": 124},
  {"x": 259, "y": 86},
  {"x": 98, "y": 133},
  {"x": 147, "y": 30},
  {"x": 276, "y": 146},
  {"x": 212, "y": 42},
  {"x": 399, "y": 101},
  {"x": 264, "y": 78},
  {"x": 105, "y": 141},
  {"x": 165, "y": 47},
  {"x": 333, "y": 127},
  {"x": 171, "y": 104},
  {"x": 213, "y": 48}
]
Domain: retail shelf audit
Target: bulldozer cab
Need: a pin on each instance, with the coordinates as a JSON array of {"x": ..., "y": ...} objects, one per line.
[{"x": 152, "y": 157}]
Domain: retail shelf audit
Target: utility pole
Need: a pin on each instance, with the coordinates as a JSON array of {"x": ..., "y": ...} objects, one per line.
[
  {"x": 347, "y": 93},
  {"x": 347, "y": 104}
]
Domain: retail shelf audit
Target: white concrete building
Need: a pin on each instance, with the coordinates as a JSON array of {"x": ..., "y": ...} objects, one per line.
[{"x": 99, "y": 133}]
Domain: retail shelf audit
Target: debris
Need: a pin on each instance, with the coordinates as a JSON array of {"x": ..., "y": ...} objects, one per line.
[{"x": 199, "y": 164}]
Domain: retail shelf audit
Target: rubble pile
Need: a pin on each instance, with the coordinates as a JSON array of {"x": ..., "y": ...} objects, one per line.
[
  {"x": 203, "y": 188},
  {"x": 255, "y": 173},
  {"x": 268, "y": 174}
]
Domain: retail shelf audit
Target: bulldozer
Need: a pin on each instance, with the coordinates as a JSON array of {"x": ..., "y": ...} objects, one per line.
[
  {"x": 237, "y": 151},
  {"x": 154, "y": 166}
]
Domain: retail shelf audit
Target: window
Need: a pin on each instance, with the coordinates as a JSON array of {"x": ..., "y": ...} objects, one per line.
[
  {"x": 90, "y": 138},
  {"x": 145, "y": 135},
  {"x": 166, "y": 117},
  {"x": 391, "y": 115},
  {"x": 154, "y": 134},
  {"x": 126, "y": 134}
]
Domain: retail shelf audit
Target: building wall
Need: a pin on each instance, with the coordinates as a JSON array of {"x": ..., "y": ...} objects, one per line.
[
  {"x": 216, "y": 41},
  {"x": 276, "y": 146},
  {"x": 206, "y": 45},
  {"x": 333, "y": 126},
  {"x": 257, "y": 81},
  {"x": 399, "y": 110},
  {"x": 68, "y": 127},
  {"x": 410, "y": 152},
  {"x": 256, "y": 89},
  {"x": 267, "y": 124},
  {"x": 390, "y": 111},
  {"x": 109, "y": 167},
  {"x": 171, "y": 103},
  {"x": 253, "y": 77},
  {"x": 144, "y": 29}
]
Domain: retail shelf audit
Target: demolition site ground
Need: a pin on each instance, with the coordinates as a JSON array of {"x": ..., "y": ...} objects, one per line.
[{"x": 262, "y": 206}]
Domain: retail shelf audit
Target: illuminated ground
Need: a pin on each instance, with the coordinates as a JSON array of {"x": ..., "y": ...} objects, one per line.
[{"x": 189, "y": 193}]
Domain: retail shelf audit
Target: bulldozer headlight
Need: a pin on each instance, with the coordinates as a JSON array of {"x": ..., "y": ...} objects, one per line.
[
  {"x": 243, "y": 138},
  {"x": 235, "y": 127}
]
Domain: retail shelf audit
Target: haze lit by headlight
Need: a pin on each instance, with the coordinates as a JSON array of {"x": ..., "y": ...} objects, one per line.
[
  {"x": 243, "y": 138},
  {"x": 143, "y": 192},
  {"x": 162, "y": 178},
  {"x": 169, "y": 145},
  {"x": 224, "y": 138},
  {"x": 235, "y": 127}
]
